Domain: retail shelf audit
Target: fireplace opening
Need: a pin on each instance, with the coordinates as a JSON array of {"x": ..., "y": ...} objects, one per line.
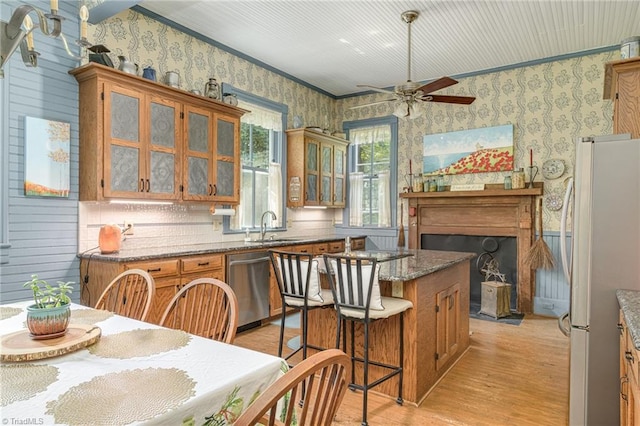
[{"x": 503, "y": 249}]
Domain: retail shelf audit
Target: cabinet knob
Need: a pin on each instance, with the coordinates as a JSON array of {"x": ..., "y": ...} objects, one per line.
[
  {"x": 148, "y": 185},
  {"x": 210, "y": 189},
  {"x": 141, "y": 186}
]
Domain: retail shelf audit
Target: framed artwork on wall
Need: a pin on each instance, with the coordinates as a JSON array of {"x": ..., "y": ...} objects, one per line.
[
  {"x": 488, "y": 149},
  {"x": 46, "y": 157}
]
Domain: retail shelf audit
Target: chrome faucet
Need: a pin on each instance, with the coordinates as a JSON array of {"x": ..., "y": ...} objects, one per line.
[{"x": 263, "y": 225}]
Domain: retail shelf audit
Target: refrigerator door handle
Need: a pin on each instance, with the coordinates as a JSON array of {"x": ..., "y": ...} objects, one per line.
[
  {"x": 566, "y": 262},
  {"x": 561, "y": 324}
]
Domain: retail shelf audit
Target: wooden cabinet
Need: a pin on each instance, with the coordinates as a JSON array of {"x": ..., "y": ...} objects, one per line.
[
  {"x": 622, "y": 85},
  {"x": 629, "y": 371},
  {"x": 144, "y": 140},
  {"x": 318, "y": 162},
  {"x": 447, "y": 324},
  {"x": 168, "y": 274},
  {"x": 211, "y": 152}
]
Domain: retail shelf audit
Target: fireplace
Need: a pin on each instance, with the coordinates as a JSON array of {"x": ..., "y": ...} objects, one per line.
[
  {"x": 492, "y": 212},
  {"x": 502, "y": 249}
]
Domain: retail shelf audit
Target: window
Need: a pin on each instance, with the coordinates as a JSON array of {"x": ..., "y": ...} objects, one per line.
[
  {"x": 372, "y": 171},
  {"x": 261, "y": 152}
]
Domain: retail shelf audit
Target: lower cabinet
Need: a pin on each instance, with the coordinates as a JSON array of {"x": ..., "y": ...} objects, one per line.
[
  {"x": 168, "y": 275},
  {"x": 447, "y": 324},
  {"x": 629, "y": 371}
]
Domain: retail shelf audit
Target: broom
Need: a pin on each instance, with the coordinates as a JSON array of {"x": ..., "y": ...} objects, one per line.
[
  {"x": 540, "y": 255},
  {"x": 401, "y": 230}
]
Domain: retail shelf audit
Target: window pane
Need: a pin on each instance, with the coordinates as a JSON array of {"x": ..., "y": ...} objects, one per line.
[{"x": 371, "y": 146}]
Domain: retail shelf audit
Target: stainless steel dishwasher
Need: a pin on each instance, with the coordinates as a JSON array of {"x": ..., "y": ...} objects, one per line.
[{"x": 248, "y": 276}]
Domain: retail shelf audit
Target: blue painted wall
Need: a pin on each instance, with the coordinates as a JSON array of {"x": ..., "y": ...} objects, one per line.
[{"x": 38, "y": 234}]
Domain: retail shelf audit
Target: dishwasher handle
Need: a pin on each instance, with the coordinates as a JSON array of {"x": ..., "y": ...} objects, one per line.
[{"x": 249, "y": 262}]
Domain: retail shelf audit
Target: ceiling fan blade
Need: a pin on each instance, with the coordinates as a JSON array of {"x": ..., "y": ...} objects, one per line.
[
  {"x": 438, "y": 84},
  {"x": 377, "y": 89},
  {"x": 463, "y": 100},
  {"x": 372, "y": 103}
]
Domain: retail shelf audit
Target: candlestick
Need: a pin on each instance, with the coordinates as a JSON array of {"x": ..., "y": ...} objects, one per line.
[
  {"x": 28, "y": 25},
  {"x": 84, "y": 16},
  {"x": 531, "y": 158},
  {"x": 54, "y": 6}
]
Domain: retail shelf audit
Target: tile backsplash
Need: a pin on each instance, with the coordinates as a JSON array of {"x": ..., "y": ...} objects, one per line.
[{"x": 182, "y": 224}]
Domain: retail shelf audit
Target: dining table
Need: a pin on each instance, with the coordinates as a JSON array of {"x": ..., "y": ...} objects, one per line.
[{"x": 113, "y": 370}]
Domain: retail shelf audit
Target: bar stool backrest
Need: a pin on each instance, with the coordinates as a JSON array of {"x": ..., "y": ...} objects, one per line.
[
  {"x": 354, "y": 282},
  {"x": 297, "y": 274}
]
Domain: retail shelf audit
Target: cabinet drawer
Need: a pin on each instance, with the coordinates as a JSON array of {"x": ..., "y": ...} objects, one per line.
[
  {"x": 159, "y": 268},
  {"x": 202, "y": 263},
  {"x": 302, "y": 248},
  {"x": 336, "y": 247},
  {"x": 320, "y": 248},
  {"x": 357, "y": 244}
]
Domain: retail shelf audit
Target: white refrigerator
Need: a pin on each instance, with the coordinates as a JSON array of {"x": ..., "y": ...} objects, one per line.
[{"x": 605, "y": 256}]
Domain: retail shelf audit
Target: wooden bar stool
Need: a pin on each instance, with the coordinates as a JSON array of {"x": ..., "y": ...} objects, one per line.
[
  {"x": 356, "y": 293},
  {"x": 299, "y": 284}
]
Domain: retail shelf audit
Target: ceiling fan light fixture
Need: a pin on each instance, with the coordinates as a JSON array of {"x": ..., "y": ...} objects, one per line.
[{"x": 402, "y": 110}]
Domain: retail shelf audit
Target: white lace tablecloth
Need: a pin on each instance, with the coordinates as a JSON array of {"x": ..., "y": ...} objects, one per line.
[{"x": 137, "y": 373}]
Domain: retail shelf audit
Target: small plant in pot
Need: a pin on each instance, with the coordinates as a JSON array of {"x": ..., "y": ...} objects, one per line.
[{"x": 49, "y": 316}]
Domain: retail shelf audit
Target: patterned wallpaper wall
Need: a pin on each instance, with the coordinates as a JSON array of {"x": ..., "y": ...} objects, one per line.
[
  {"x": 148, "y": 42},
  {"x": 549, "y": 104}
]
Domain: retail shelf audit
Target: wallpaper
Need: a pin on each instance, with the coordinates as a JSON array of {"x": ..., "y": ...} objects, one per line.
[
  {"x": 549, "y": 104},
  {"x": 149, "y": 43}
]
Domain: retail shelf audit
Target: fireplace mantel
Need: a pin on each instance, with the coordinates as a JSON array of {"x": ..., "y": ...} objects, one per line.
[{"x": 491, "y": 212}]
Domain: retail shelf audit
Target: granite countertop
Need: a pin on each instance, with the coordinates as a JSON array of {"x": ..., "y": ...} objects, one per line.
[
  {"x": 146, "y": 253},
  {"x": 629, "y": 301},
  {"x": 419, "y": 264}
]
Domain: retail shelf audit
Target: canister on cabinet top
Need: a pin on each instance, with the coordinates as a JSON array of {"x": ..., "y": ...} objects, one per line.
[{"x": 630, "y": 47}]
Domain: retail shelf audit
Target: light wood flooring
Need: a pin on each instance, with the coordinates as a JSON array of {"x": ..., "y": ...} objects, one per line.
[{"x": 511, "y": 375}]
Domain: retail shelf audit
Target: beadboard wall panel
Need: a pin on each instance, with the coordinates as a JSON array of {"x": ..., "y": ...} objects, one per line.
[
  {"x": 552, "y": 289},
  {"x": 41, "y": 231}
]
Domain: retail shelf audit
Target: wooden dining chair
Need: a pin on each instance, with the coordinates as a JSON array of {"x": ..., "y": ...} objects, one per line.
[
  {"x": 129, "y": 294},
  {"x": 205, "y": 307},
  {"x": 322, "y": 378}
]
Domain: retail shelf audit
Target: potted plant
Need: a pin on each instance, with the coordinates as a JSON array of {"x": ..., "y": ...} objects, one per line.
[{"x": 49, "y": 316}]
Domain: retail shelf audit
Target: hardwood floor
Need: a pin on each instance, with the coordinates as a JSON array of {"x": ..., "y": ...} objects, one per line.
[{"x": 511, "y": 375}]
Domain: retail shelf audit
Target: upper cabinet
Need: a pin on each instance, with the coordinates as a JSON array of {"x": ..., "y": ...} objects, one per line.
[
  {"x": 143, "y": 140},
  {"x": 316, "y": 169},
  {"x": 622, "y": 85}
]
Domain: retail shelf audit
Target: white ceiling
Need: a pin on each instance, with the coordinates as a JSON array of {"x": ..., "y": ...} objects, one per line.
[{"x": 336, "y": 44}]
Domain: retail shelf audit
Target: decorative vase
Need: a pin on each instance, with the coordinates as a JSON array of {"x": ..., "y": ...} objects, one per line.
[{"x": 48, "y": 323}]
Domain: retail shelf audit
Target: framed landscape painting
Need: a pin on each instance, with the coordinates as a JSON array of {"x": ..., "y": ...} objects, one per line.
[
  {"x": 46, "y": 153},
  {"x": 489, "y": 149}
]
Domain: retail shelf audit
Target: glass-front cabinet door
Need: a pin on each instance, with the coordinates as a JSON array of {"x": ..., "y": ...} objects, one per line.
[
  {"x": 326, "y": 168},
  {"x": 123, "y": 174},
  {"x": 339, "y": 175},
  {"x": 162, "y": 180},
  {"x": 311, "y": 172},
  {"x": 198, "y": 162},
  {"x": 227, "y": 175}
]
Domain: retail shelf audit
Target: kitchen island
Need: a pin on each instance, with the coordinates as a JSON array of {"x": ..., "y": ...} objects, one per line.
[{"x": 436, "y": 329}]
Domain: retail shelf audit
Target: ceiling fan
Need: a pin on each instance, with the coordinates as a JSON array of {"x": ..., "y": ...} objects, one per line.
[{"x": 410, "y": 94}]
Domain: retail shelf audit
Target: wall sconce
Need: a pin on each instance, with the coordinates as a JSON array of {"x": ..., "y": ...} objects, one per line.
[{"x": 19, "y": 32}]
